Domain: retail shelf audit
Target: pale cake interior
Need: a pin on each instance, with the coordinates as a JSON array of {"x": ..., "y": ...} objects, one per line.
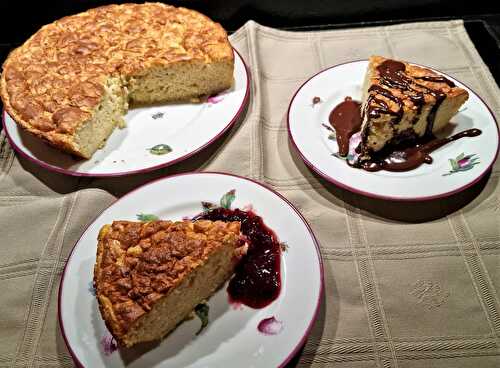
[
  {"x": 109, "y": 114},
  {"x": 182, "y": 82},
  {"x": 169, "y": 311},
  {"x": 179, "y": 82}
]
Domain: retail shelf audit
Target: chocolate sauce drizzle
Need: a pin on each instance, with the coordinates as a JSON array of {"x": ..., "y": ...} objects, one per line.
[
  {"x": 345, "y": 118},
  {"x": 409, "y": 158},
  {"x": 392, "y": 75},
  {"x": 383, "y": 108},
  {"x": 437, "y": 80}
]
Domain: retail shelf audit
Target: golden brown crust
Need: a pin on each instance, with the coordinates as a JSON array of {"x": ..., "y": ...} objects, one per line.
[
  {"x": 52, "y": 83},
  {"x": 140, "y": 262}
]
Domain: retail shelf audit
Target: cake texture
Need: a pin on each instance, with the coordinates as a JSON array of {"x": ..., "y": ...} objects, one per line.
[
  {"x": 149, "y": 276},
  {"x": 403, "y": 102},
  {"x": 71, "y": 83}
]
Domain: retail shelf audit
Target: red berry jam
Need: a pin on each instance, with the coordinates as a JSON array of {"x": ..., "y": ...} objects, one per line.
[{"x": 257, "y": 279}]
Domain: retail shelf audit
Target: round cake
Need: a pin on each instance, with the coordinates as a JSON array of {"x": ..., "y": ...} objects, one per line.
[{"x": 71, "y": 82}]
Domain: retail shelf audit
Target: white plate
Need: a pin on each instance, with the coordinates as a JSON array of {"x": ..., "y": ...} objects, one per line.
[
  {"x": 186, "y": 128},
  {"x": 427, "y": 181},
  {"x": 231, "y": 338}
]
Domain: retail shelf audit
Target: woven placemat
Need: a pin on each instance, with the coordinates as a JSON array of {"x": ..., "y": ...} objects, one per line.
[{"x": 423, "y": 293}]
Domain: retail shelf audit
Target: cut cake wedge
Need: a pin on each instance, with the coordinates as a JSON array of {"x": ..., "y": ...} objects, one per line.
[{"x": 149, "y": 276}]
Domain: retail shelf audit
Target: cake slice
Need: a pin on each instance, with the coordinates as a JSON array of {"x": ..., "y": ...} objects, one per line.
[
  {"x": 403, "y": 102},
  {"x": 149, "y": 276}
]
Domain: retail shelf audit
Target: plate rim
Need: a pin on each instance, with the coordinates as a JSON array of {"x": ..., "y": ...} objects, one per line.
[
  {"x": 57, "y": 169},
  {"x": 388, "y": 197},
  {"x": 317, "y": 246}
]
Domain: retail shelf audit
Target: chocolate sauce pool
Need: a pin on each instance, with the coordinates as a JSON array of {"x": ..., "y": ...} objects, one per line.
[
  {"x": 257, "y": 279},
  {"x": 410, "y": 158},
  {"x": 403, "y": 157},
  {"x": 345, "y": 118}
]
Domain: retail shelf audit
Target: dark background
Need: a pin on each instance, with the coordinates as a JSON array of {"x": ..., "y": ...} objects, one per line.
[
  {"x": 20, "y": 18},
  {"x": 30, "y": 15}
]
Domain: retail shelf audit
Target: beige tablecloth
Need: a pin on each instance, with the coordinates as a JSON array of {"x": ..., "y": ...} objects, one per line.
[{"x": 402, "y": 289}]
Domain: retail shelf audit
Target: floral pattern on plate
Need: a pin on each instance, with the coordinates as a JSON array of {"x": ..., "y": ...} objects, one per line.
[{"x": 462, "y": 163}]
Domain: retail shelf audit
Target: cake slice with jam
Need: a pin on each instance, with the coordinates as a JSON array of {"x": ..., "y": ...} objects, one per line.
[{"x": 149, "y": 276}]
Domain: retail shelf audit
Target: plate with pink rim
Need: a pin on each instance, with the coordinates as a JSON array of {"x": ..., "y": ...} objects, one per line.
[
  {"x": 155, "y": 136},
  {"x": 456, "y": 165},
  {"x": 268, "y": 336}
]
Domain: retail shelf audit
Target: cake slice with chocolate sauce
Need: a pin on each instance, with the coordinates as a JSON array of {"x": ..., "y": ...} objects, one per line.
[{"x": 402, "y": 103}]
